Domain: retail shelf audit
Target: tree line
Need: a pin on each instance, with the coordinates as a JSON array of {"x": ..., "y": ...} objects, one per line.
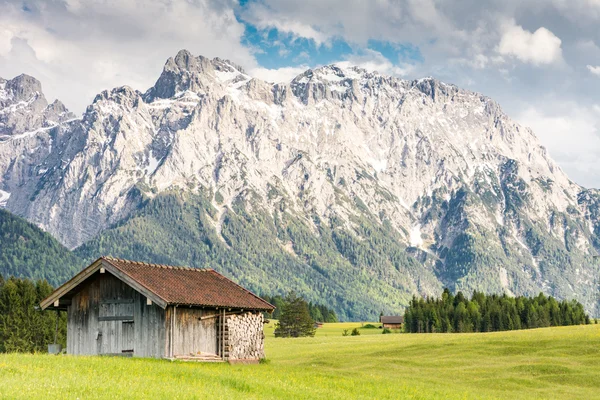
[
  {"x": 317, "y": 312},
  {"x": 488, "y": 313},
  {"x": 24, "y": 327}
]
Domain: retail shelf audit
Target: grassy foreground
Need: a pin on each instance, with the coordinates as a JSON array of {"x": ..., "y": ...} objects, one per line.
[{"x": 543, "y": 363}]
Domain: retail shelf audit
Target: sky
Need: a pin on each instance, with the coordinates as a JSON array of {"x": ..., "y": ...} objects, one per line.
[{"x": 540, "y": 59}]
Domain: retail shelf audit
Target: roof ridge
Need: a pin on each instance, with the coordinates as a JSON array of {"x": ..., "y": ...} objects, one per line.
[
  {"x": 163, "y": 266},
  {"x": 211, "y": 289}
]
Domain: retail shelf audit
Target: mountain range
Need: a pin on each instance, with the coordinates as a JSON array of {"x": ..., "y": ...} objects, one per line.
[{"x": 356, "y": 189}]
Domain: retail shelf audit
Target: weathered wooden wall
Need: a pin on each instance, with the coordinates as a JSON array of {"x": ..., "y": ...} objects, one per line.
[
  {"x": 150, "y": 329},
  {"x": 194, "y": 332},
  {"x": 107, "y": 316}
]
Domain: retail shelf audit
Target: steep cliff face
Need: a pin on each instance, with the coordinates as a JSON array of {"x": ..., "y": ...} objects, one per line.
[
  {"x": 464, "y": 190},
  {"x": 24, "y": 109}
]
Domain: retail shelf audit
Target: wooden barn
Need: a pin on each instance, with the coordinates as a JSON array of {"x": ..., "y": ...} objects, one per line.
[
  {"x": 392, "y": 321},
  {"x": 120, "y": 307}
]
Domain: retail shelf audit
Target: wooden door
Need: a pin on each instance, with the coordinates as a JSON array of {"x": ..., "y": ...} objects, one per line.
[
  {"x": 127, "y": 339},
  {"x": 116, "y": 327}
]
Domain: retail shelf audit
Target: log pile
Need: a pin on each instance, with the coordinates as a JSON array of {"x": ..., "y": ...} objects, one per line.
[{"x": 246, "y": 337}]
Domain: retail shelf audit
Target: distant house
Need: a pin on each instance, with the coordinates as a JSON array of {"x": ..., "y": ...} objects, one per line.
[
  {"x": 120, "y": 307},
  {"x": 392, "y": 321}
]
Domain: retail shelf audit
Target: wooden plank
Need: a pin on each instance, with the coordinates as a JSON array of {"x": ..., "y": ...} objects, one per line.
[
  {"x": 117, "y": 318},
  {"x": 219, "y": 315},
  {"x": 117, "y": 301}
]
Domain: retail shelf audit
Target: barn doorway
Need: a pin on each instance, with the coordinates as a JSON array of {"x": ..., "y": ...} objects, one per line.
[{"x": 116, "y": 327}]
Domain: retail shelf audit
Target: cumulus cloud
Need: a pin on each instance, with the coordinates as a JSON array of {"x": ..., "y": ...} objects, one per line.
[
  {"x": 372, "y": 60},
  {"x": 78, "y": 48},
  {"x": 6, "y": 37},
  {"x": 367, "y": 59},
  {"x": 571, "y": 133},
  {"x": 277, "y": 75},
  {"x": 539, "y": 47},
  {"x": 262, "y": 18},
  {"x": 594, "y": 69}
]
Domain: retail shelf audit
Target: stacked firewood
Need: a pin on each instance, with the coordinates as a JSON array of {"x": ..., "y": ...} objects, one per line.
[{"x": 246, "y": 338}]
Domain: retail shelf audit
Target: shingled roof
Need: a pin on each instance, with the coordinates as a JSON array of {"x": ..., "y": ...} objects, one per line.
[
  {"x": 168, "y": 285},
  {"x": 391, "y": 319}
]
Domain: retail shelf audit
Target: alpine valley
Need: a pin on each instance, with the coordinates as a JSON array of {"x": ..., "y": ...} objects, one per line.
[{"x": 355, "y": 189}]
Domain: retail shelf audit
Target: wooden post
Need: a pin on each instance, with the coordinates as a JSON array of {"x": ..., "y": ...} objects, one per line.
[
  {"x": 174, "y": 317},
  {"x": 56, "y": 330},
  {"x": 223, "y": 334}
]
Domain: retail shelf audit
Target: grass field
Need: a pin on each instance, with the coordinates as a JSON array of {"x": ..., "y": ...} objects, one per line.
[{"x": 543, "y": 363}]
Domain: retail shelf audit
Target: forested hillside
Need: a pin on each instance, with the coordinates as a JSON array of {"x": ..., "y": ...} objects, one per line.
[
  {"x": 28, "y": 252},
  {"x": 356, "y": 276}
]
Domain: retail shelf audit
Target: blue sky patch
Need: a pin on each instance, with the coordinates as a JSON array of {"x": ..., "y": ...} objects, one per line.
[{"x": 274, "y": 49}]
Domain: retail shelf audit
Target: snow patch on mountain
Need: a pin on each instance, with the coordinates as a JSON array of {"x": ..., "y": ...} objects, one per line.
[
  {"x": 4, "y": 196},
  {"x": 416, "y": 239}
]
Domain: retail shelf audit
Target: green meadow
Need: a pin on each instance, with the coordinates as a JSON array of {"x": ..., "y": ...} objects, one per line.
[{"x": 541, "y": 363}]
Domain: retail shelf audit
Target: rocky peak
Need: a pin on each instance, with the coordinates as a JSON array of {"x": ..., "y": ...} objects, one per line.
[
  {"x": 340, "y": 82},
  {"x": 227, "y": 66},
  {"x": 23, "y": 88},
  {"x": 433, "y": 88},
  {"x": 124, "y": 95},
  {"x": 327, "y": 82},
  {"x": 58, "y": 107},
  {"x": 181, "y": 73},
  {"x": 23, "y": 107},
  {"x": 186, "y": 72}
]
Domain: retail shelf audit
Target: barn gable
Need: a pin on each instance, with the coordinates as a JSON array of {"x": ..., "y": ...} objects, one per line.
[
  {"x": 165, "y": 285},
  {"x": 61, "y": 298}
]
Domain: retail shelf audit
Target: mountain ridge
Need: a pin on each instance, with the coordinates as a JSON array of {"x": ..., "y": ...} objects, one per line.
[{"x": 442, "y": 168}]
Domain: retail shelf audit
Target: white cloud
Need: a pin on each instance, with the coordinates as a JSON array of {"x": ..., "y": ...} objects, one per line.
[
  {"x": 78, "y": 48},
  {"x": 372, "y": 60},
  {"x": 594, "y": 69},
  {"x": 571, "y": 133},
  {"x": 539, "y": 47},
  {"x": 369, "y": 60},
  {"x": 6, "y": 37},
  {"x": 277, "y": 75},
  {"x": 263, "y": 18}
]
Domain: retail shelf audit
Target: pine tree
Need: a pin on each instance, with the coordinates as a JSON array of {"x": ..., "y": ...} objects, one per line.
[
  {"x": 295, "y": 320},
  {"x": 23, "y": 326}
]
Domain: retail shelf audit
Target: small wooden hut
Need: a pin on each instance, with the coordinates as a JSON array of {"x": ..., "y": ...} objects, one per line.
[
  {"x": 120, "y": 307},
  {"x": 392, "y": 321}
]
